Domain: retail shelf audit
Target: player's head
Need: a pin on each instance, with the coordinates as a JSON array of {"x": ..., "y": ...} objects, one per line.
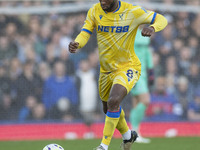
[{"x": 108, "y": 5}]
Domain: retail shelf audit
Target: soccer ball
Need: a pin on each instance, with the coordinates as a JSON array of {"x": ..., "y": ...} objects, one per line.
[{"x": 53, "y": 147}]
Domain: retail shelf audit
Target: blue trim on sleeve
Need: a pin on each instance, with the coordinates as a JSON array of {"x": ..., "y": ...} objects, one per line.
[
  {"x": 144, "y": 10},
  {"x": 86, "y": 30},
  {"x": 118, "y": 7},
  {"x": 114, "y": 114},
  {"x": 154, "y": 17}
]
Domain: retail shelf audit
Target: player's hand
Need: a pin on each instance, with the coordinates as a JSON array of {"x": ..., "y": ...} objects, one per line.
[
  {"x": 73, "y": 47},
  {"x": 148, "y": 31}
]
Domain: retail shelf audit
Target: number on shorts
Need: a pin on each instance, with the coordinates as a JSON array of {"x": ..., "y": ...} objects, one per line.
[{"x": 129, "y": 73}]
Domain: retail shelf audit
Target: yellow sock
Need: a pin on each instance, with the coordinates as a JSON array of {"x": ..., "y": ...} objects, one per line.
[
  {"x": 122, "y": 126},
  {"x": 111, "y": 121}
]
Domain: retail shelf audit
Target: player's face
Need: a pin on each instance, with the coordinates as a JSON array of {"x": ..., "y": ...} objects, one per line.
[{"x": 107, "y": 5}]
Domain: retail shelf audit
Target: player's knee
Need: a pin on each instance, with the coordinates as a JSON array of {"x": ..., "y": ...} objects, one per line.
[
  {"x": 145, "y": 99},
  {"x": 113, "y": 103},
  {"x": 146, "y": 102}
]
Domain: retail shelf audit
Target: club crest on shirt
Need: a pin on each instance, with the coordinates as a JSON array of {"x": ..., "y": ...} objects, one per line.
[
  {"x": 100, "y": 17},
  {"x": 121, "y": 16}
]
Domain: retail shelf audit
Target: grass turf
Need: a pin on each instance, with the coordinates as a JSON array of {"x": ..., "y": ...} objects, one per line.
[{"x": 178, "y": 143}]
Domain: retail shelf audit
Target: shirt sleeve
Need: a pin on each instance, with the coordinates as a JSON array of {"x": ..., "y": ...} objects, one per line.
[
  {"x": 159, "y": 22},
  {"x": 87, "y": 29},
  {"x": 89, "y": 22},
  {"x": 82, "y": 39},
  {"x": 143, "y": 16}
]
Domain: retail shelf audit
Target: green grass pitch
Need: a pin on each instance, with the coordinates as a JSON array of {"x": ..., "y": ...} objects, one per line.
[{"x": 178, "y": 143}]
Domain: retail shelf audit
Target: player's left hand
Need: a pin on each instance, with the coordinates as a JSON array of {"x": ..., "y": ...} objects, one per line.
[{"x": 148, "y": 31}]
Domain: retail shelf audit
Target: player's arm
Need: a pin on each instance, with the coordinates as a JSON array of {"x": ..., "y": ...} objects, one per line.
[
  {"x": 157, "y": 21},
  {"x": 79, "y": 42},
  {"x": 82, "y": 39},
  {"x": 159, "y": 24}
]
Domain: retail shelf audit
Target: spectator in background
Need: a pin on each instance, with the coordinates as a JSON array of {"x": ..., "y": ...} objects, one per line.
[
  {"x": 43, "y": 39},
  {"x": 171, "y": 67},
  {"x": 182, "y": 23},
  {"x": 30, "y": 54},
  {"x": 38, "y": 112},
  {"x": 62, "y": 111},
  {"x": 184, "y": 61},
  {"x": 87, "y": 91},
  {"x": 158, "y": 69},
  {"x": 34, "y": 25},
  {"x": 194, "y": 76},
  {"x": 183, "y": 94},
  {"x": 25, "y": 112},
  {"x": 171, "y": 74},
  {"x": 194, "y": 45},
  {"x": 59, "y": 86},
  {"x": 49, "y": 55},
  {"x": 64, "y": 57},
  {"x": 22, "y": 41},
  {"x": 195, "y": 26},
  {"x": 7, "y": 108},
  {"x": 28, "y": 83},
  {"x": 11, "y": 32},
  {"x": 163, "y": 106},
  {"x": 178, "y": 44},
  {"x": 44, "y": 71},
  {"x": 170, "y": 85},
  {"x": 65, "y": 36},
  {"x": 15, "y": 69},
  {"x": 8, "y": 49},
  {"x": 5, "y": 84},
  {"x": 93, "y": 59},
  {"x": 194, "y": 108}
]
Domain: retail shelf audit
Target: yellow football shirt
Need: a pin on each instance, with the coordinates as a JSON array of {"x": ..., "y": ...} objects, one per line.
[{"x": 116, "y": 33}]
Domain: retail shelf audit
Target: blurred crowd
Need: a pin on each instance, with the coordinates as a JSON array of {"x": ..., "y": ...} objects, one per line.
[{"x": 40, "y": 80}]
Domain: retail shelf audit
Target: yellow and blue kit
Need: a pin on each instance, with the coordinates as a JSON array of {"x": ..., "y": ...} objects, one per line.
[{"x": 116, "y": 33}]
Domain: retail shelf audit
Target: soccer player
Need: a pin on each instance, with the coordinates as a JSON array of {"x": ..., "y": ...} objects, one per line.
[
  {"x": 116, "y": 24},
  {"x": 140, "y": 91}
]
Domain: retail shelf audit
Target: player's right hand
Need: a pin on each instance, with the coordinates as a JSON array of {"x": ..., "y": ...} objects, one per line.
[{"x": 73, "y": 46}]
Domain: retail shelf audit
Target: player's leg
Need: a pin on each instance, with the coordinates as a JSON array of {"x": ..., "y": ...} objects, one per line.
[
  {"x": 138, "y": 112},
  {"x": 105, "y": 85},
  {"x": 114, "y": 113},
  {"x": 117, "y": 93},
  {"x": 123, "y": 82},
  {"x": 141, "y": 100},
  {"x": 128, "y": 78},
  {"x": 122, "y": 126}
]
